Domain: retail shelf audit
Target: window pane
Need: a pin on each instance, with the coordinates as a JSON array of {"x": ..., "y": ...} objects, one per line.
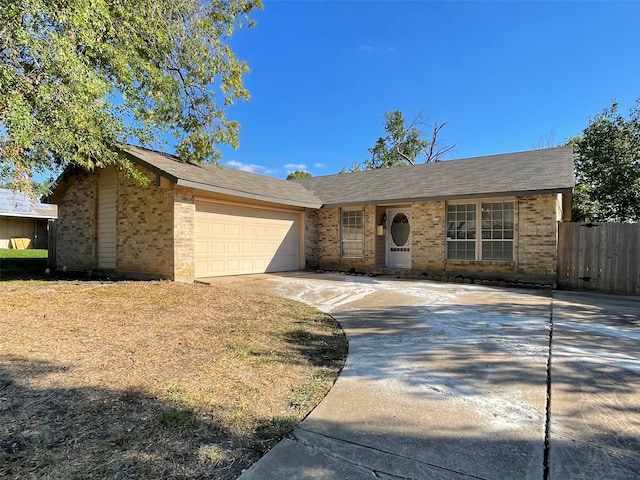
[
  {"x": 352, "y": 233},
  {"x": 497, "y": 231},
  {"x": 497, "y": 250},
  {"x": 461, "y": 231},
  {"x": 461, "y": 250}
]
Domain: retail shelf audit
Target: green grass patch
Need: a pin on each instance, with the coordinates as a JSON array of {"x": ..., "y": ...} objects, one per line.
[
  {"x": 178, "y": 418},
  {"x": 13, "y": 254},
  {"x": 22, "y": 264}
]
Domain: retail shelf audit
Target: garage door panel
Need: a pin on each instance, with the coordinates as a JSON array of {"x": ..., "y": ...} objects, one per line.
[{"x": 232, "y": 240}]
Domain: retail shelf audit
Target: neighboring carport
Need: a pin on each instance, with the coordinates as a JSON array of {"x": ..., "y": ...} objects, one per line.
[{"x": 23, "y": 220}]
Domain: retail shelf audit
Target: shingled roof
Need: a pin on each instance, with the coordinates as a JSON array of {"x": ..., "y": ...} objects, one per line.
[
  {"x": 17, "y": 204},
  {"x": 511, "y": 174},
  {"x": 215, "y": 178},
  {"x": 523, "y": 173}
]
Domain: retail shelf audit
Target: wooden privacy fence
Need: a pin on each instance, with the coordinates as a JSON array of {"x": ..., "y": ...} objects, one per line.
[
  {"x": 601, "y": 256},
  {"x": 52, "y": 227}
]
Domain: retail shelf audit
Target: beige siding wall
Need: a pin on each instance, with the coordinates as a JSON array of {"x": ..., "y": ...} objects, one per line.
[
  {"x": 107, "y": 223},
  {"x": 76, "y": 230},
  {"x": 15, "y": 227},
  {"x": 534, "y": 245}
]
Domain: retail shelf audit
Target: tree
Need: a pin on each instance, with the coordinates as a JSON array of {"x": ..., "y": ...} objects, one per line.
[
  {"x": 546, "y": 141},
  {"x": 298, "y": 174},
  {"x": 607, "y": 167},
  {"x": 403, "y": 144},
  {"x": 79, "y": 78}
]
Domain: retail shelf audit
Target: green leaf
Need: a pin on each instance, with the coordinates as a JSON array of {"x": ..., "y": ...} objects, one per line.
[{"x": 80, "y": 78}]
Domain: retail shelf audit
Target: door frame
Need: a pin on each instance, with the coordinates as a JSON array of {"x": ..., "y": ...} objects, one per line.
[{"x": 390, "y": 213}]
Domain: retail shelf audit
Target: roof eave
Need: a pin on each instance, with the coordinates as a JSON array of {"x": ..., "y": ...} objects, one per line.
[
  {"x": 218, "y": 189},
  {"x": 27, "y": 215},
  {"x": 150, "y": 166},
  {"x": 252, "y": 196},
  {"x": 390, "y": 201}
]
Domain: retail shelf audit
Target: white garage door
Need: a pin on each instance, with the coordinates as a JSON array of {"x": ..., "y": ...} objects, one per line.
[{"x": 234, "y": 240}]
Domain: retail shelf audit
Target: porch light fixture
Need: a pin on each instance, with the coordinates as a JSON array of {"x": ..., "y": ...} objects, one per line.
[{"x": 383, "y": 225}]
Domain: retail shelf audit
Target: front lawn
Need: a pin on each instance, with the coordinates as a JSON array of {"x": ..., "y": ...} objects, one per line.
[
  {"x": 23, "y": 264},
  {"x": 154, "y": 380}
]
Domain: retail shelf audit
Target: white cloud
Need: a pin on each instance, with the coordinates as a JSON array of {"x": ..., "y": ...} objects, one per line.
[
  {"x": 248, "y": 167},
  {"x": 292, "y": 167},
  {"x": 319, "y": 165}
]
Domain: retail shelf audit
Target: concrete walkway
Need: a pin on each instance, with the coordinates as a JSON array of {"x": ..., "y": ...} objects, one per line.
[{"x": 450, "y": 382}]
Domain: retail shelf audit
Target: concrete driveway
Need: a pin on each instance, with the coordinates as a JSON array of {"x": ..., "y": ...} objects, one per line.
[{"x": 450, "y": 381}]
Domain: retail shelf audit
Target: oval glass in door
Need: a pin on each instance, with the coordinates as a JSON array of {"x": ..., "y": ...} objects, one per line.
[
  {"x": 398, "y": 242},
  {"x": 400, "y": 229}
]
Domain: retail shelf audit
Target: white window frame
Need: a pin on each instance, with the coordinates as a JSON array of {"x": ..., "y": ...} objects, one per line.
[
  {"x": 480, "y": 233},
  {"x": 354, "y": 243}
]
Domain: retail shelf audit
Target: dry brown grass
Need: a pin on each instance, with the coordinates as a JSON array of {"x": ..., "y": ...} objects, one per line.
[{"x": 153, "y": 379}]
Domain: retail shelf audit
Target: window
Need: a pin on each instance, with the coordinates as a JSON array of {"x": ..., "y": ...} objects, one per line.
[
  {"x": 351, "y": 233},
  {"x": 495, "y": 242},
  {"x": 461, "y": 231},
  {"x": 497, "y": 231}
]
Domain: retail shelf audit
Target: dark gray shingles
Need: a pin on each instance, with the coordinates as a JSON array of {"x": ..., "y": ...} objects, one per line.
[
  {"x": 536, "y": 171},
  {"x": 226, "y": 180}
]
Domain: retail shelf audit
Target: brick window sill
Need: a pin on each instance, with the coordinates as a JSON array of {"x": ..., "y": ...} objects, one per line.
[{"x": 506, "y": 263}]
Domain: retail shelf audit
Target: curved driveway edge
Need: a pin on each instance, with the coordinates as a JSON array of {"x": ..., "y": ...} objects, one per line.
[{"x": 442, "y": 381}]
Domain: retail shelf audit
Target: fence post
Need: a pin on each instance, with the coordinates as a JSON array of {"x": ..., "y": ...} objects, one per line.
[{"x": 52, "y": 228}]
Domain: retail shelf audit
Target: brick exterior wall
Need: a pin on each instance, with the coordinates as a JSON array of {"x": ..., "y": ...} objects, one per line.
[
  {"x": 329, "y": 238},
  {"x": 428, "y": 235},
  {"x": 328, "y": 227},
  {"x": 534, "y": 246},
  {"x": 184, "y": 243},
  {"x": 538, "y": 235},
  {"x": 311, "y": 238},
  {"x": 155, "y": 228},
  {"x": 76, "y": 224},
  {"x": 145, "y": 228}
]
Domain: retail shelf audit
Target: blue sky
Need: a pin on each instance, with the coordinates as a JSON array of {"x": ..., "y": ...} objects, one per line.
[{"x": 504, "y": 75}]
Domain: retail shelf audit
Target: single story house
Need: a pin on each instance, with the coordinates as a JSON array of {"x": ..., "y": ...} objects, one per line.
[
  {"x": 492, "y": 215},
  {"x": 24, "y": 221}
]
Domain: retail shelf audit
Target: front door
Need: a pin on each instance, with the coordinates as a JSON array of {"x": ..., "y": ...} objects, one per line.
[{"x": 398, "y": 238}]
